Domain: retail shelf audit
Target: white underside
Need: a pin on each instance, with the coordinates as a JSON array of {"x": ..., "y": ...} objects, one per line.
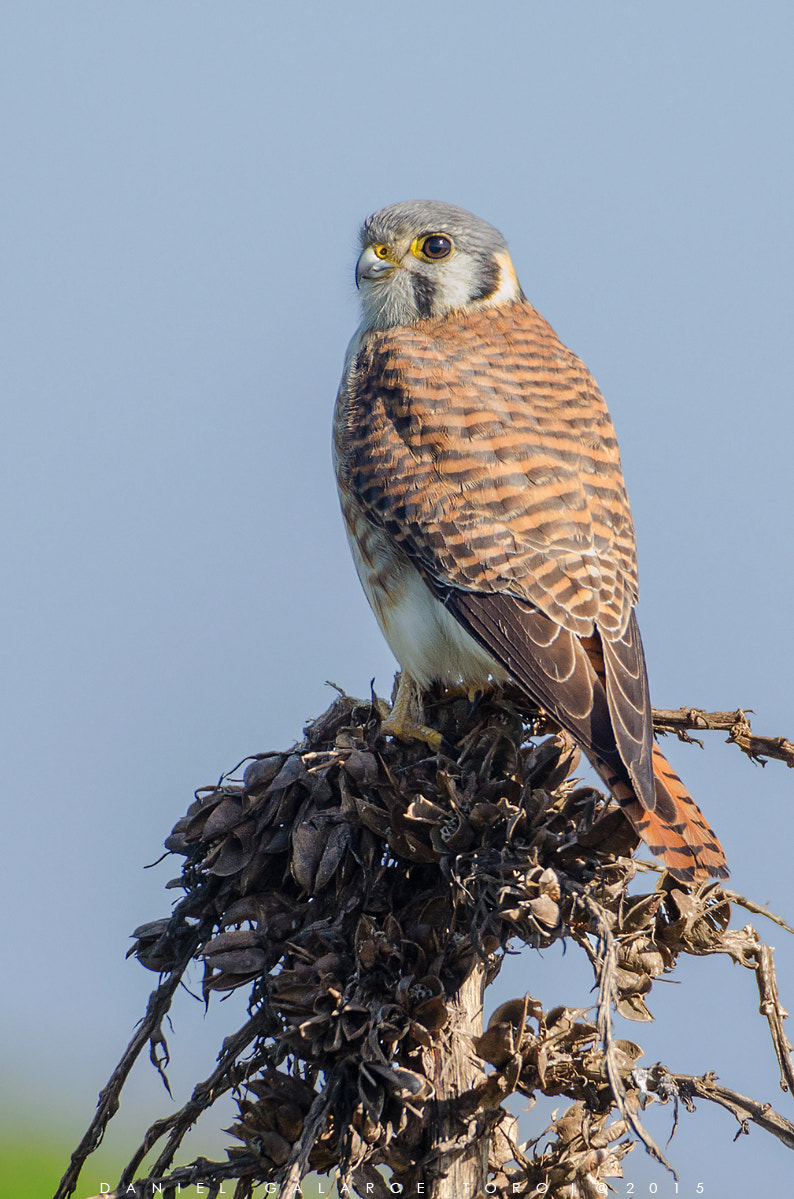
[{"x": 424, "y": 637}]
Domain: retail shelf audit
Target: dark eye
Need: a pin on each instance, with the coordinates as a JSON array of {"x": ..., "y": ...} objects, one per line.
[{"x": 436, "y": 246}]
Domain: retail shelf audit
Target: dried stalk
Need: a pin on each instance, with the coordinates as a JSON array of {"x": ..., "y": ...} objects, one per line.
[
  {"x": 745, "y": 1110},
  {"x": 454, "y": 1157},
  {"x": 229, "y": 1073},
  {"x": 682, "y": 721},
  {"x": 149, "y": 1031},
  {"x": 605, "y": 965},
  {"x": 756, "y": 908},
  {"x": 775, "y": 1013},
  {"x": 200, "y": 1173},
  {"x": 365, "y": 892},
  {"x": 313, "y": 1126}
]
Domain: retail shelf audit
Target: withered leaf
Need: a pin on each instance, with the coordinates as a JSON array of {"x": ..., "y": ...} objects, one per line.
[
  {"x": 281, "y": 808},
  {"x": 239, "y": 938},
  {"x": 453, "y": 836},
  {"x": 235, "y": 853},
  {"x": 420, "y": 1035},
  {"x": 224, "y": 817},
  {"x": 309, "y": 840},
  {"x": 362, "y": 766},
  {"x": 631, "y": 981},
  {"x": 261, "y": 772},
  {"x": 398, "y": 1079},
  {"x": 514, "y": 1012},
  {"x": 153, "y": 930},
  {"x": 336, "y": 845},
  {"x": 270, "y": 1145},
  {"x": 630, "y": 1048},
  {"x": 541, "y": 761},
  {"x": 497, "y": 1044},
  {"x": 275, "y": 841},
  {"x": 644, "y": 957},
  {"x": 371, "y": 1093},
  {"x": 549, "y": 883},
  {"x": 290, "y": 1121},
  {"x": 425, "y": 812},
  {"x": 239, "y": 961},
  {"x": 368, "y": 953},
  {"x": 432, "y": 1013},
  {"x": 406, "y": 845},
  {"x": 292, "y": 771},
  {"x": 373, "y": 817},
  {"x": 545, "y": 911},
  {"x": 483, "y": 815},
  {"x": 349, "y": 738},
  {"x": 640, "y": 911},
  {"x": 633, "y": 1008},
  {"x": 178, "y": 841},
  {"x": 192, "y": 826}
]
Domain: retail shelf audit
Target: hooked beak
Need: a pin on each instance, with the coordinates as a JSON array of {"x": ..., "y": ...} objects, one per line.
[{"x": 370, "y": 266}]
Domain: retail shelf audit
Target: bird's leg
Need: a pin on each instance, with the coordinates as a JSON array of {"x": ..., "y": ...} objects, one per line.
[{"x": 405, "y": 720}]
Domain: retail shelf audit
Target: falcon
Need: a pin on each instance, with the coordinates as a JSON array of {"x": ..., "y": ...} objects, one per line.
[{"x": 484, "y": 502}]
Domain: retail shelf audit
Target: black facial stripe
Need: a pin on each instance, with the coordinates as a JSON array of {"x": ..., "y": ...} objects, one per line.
[
  {"x": 489, "y": 276},
  {"x": 424, "y": 294}
]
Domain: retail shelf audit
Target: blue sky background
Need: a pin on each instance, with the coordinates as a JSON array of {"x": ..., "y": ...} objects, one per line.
[{"x": 182, "y": 186}]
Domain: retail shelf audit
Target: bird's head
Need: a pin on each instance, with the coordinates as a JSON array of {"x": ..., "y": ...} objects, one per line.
[{"x": 422, "y": 258}]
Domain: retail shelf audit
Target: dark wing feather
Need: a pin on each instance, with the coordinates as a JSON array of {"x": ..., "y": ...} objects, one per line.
[
  {"x": 630, "y": 708},
  {"x": 545, "y": 659}
]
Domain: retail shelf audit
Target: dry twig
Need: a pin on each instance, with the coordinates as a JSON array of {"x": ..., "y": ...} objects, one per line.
[
  {"x": 682, "y": 721},
  {"x": 772, "y": 1008},
  {"x": 745, "y": 1110},
  {"x": 606, "y": 966}
]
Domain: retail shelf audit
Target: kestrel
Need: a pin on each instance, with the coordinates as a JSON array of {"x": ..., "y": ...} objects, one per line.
[{"x": 484, "y": 501}]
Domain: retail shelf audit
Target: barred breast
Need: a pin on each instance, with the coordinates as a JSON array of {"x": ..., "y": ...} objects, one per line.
[{"x": 483, "y": 448}]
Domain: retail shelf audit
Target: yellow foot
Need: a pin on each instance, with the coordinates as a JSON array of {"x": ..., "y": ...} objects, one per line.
[
  {"x": 458, "y": 690},
  {"x": 473, "y": 694},
  {"x": 405, "y": 720}
]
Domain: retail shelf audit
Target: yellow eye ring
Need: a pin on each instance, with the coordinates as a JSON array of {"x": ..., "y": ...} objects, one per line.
[{"x": 433, "y": 246}]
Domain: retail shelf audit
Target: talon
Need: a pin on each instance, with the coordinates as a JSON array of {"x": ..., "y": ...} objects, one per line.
[
  {"x": 475, "y": 697},
  {"x": 405, "y": 719},
  {"x": 413, "y": 732}
]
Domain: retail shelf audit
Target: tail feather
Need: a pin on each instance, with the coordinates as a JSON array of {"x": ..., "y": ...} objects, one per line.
[{"x": 676, "y": 831}]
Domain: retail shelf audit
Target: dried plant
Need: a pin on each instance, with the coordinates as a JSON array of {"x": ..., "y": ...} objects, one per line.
[{"x": 364, "y": 892}]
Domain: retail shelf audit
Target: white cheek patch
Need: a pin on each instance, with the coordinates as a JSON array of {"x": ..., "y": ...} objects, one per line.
[
  {"x": 509, "y": 288},
  {"x": 454, "y": 283}
]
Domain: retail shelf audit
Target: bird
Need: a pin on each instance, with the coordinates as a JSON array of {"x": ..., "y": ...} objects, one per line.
[{"x": 484, "y": 503}]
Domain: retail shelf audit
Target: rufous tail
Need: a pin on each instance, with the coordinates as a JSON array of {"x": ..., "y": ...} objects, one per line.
[{"x": 677, "y": 832}]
